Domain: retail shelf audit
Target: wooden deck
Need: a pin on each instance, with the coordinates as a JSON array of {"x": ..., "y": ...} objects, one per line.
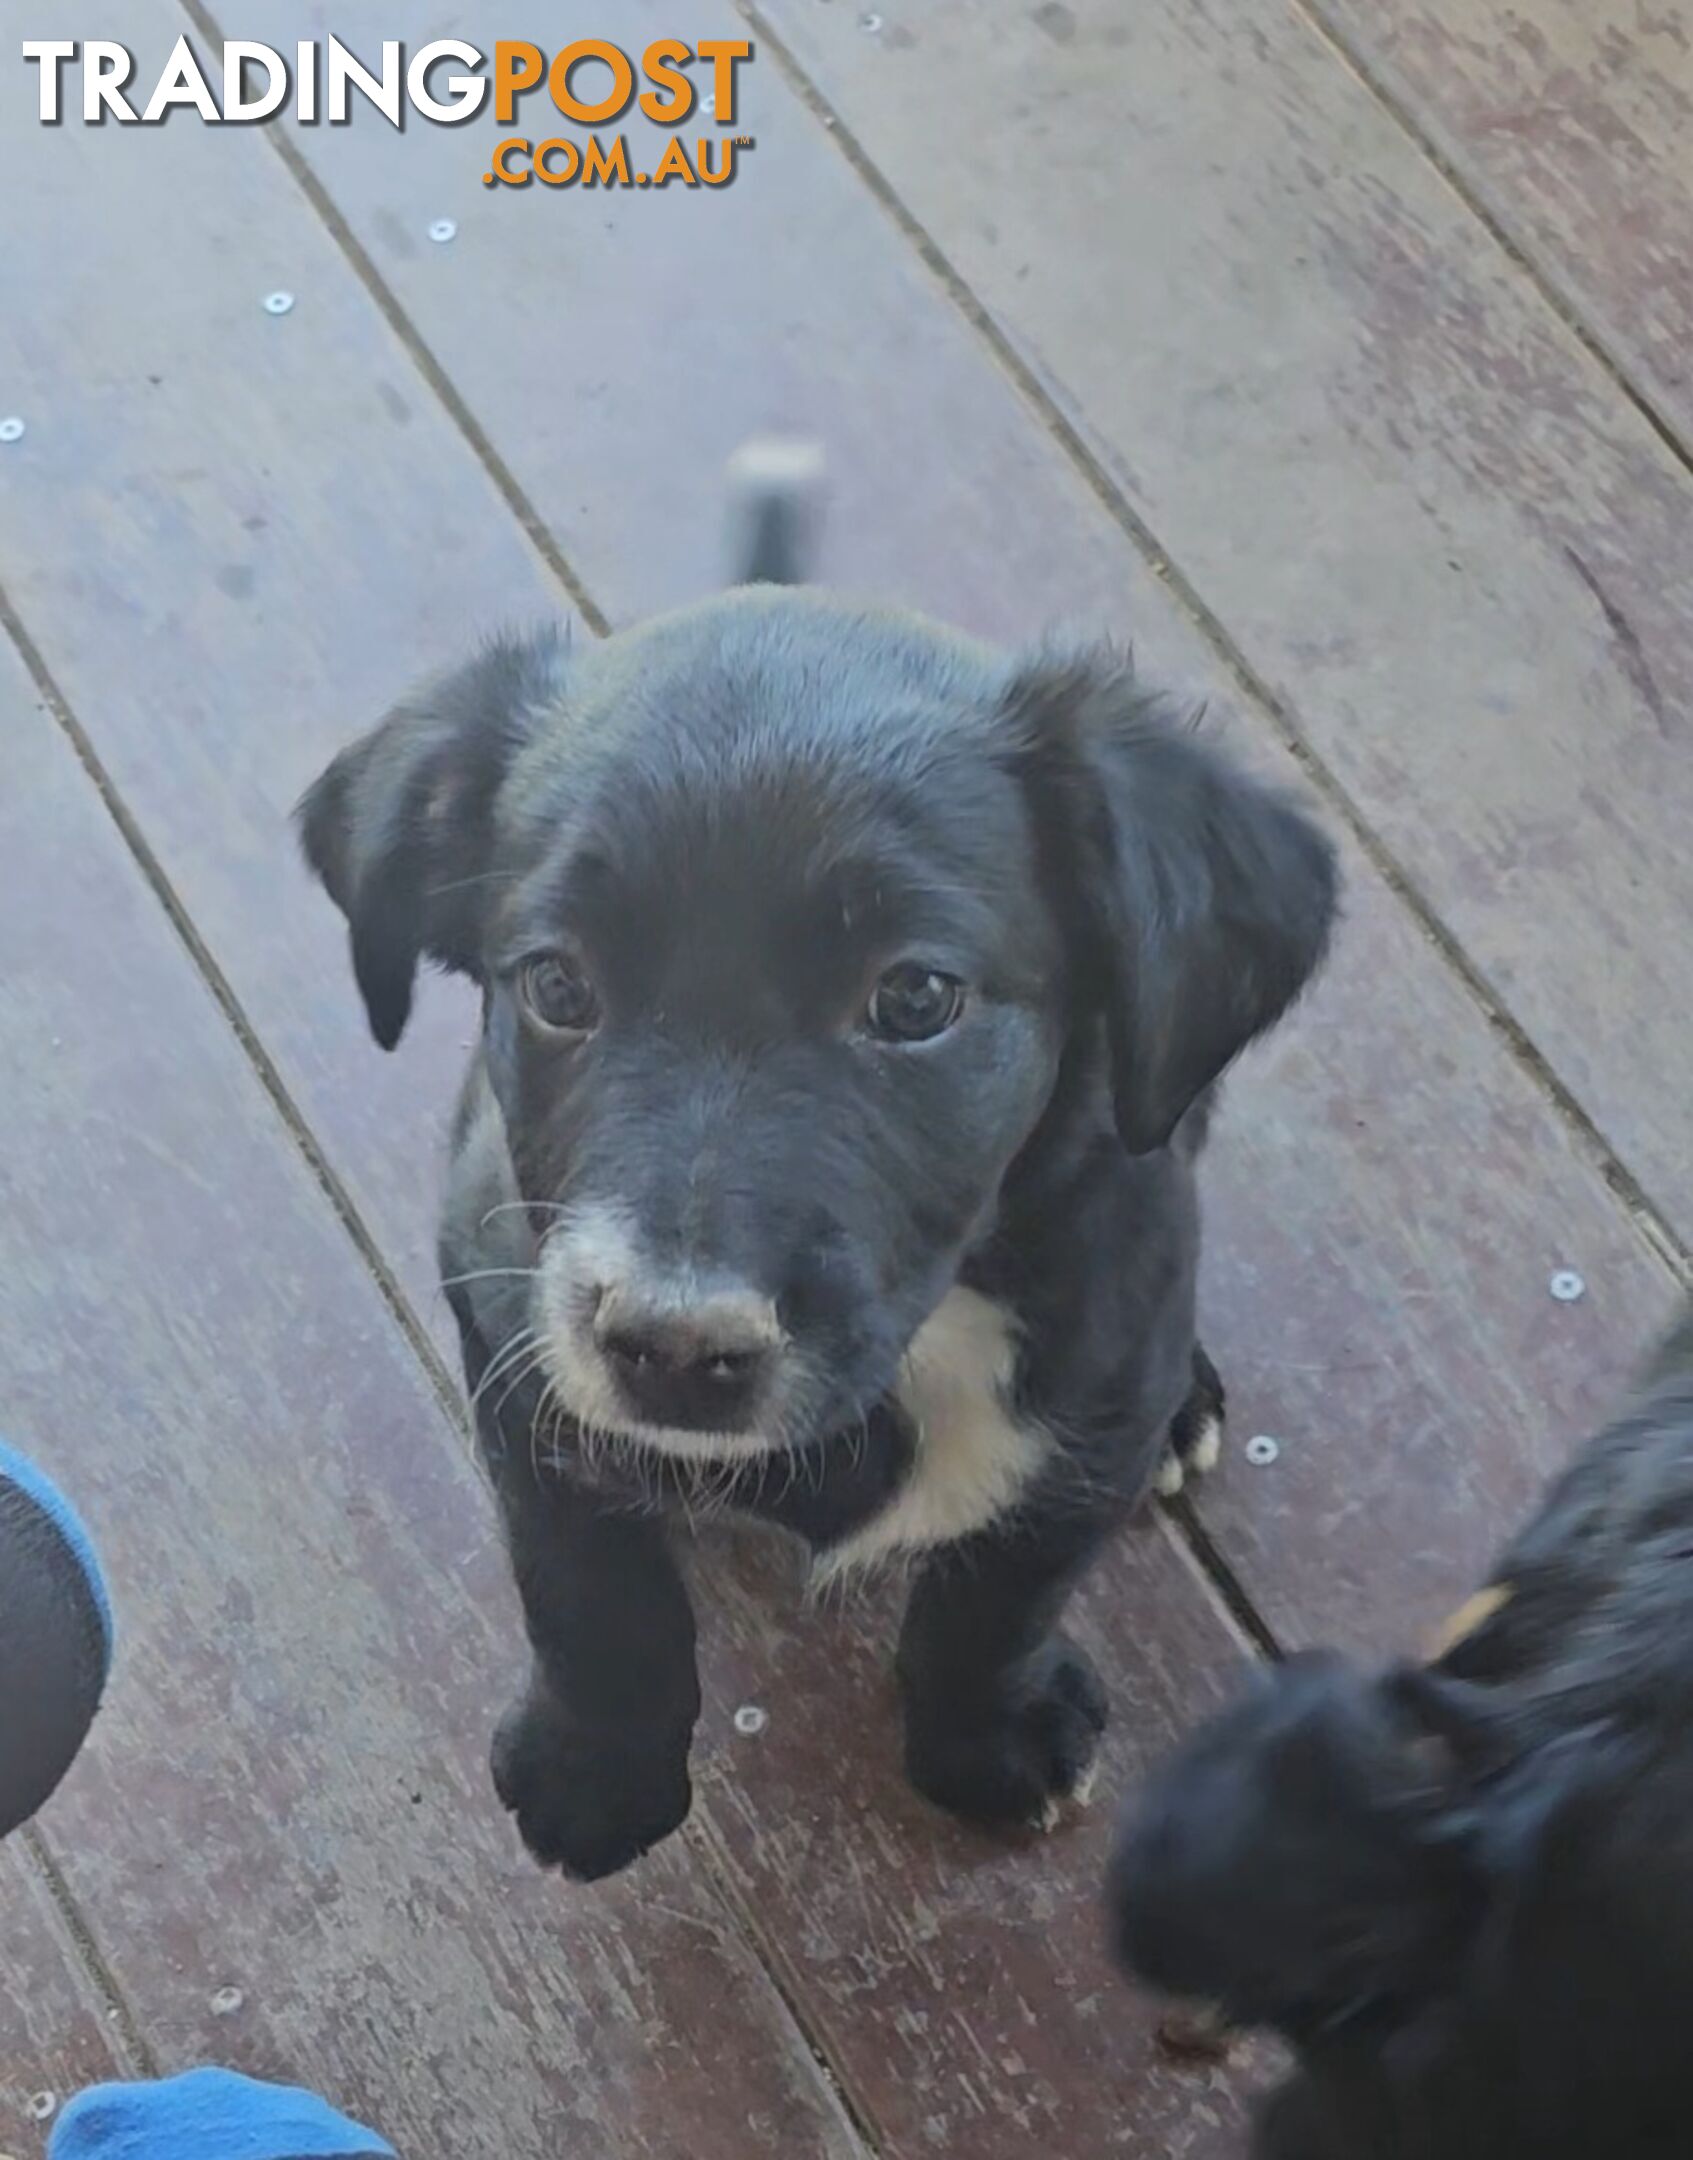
[{"x": 1335, "y": 351}]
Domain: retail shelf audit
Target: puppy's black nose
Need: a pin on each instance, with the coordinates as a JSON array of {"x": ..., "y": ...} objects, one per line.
[{"x": 700, "y": 1367}]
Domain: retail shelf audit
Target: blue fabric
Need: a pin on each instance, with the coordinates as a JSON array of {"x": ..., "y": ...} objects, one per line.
[
  {"x": 37, "y": 1486},
  {"x": 207, "y": 2115}
]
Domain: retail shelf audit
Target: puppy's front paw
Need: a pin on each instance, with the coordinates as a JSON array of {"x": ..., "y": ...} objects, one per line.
[
  {"x": 589, "y": 1803},
  {"x": 1012, "y": 1760},
  {"x": 1195, "y": 1444}
]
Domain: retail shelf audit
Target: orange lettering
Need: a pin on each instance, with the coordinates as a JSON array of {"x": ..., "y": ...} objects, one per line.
[
  {"x": 572, "y": 165},
  {"x": 674, "y": 165},
  {"x": 517, "y": 67},
  {"x": 725, "y": 160},
  {"x": 723, "y": 53},
  {"x": 658, "y": 63},
  {"x": 598, "y": 166},
  {"x": 499, "y": 166},
  {"x": 622, "y": 85}
]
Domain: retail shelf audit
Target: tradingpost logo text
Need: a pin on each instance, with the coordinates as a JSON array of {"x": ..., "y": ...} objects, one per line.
[{"x": 590, "y": 84}]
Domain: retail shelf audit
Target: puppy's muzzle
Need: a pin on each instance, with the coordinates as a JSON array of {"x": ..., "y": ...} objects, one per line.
[{"x": 701, "y": 1366}]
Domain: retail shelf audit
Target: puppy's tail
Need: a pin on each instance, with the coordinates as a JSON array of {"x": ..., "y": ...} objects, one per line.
[{"x": 776, "y": 500}]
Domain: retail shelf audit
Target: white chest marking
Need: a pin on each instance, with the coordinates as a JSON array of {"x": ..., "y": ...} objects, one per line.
[{"x": 974, "y": 1455}]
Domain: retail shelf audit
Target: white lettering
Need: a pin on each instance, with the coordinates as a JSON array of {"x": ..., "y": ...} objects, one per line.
[
  {"x": 383, "y": 91},
  {"x": 50, "y": 54},
  {"x": 238, "y": 55},
  {"x": 102, "y": 91},
  {"x": 182, "y": 84},
  {"x": 466, "y": 92}
]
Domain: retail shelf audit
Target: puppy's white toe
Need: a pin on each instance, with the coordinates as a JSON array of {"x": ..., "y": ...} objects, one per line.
[
  {"x": 1172, "y": 1476},
  {"x": 1207, "y": 1451}
]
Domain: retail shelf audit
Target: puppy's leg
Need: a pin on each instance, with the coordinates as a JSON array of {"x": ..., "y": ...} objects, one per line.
[
  {"x": 593, "y": 1757},
  {"x": 1003, "y": 1714},
  {"x": 1196, "y": 1431}
]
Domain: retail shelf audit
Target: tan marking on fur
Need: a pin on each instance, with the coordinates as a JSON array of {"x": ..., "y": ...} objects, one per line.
[
  {"x": 1473, "y": 1614},
  {"x": 974, "y": 1455}
]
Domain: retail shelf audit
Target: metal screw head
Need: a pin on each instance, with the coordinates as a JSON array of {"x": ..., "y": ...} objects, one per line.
[
  {"x": 708, "y": 103},
  {"x": 11, "y": 428},
  {"x": 227, "y": 2001},
  {"x": 870, "y": 24},
  {"x": 750, "y": 1720},
  {"x": 1566, "y": 1286},
  {"x": 278, "y": 303},
  {"x": 1262, "y": 1450},
  {"x": 42, "y": 2105},
  {"x": 442, "y": 231}
]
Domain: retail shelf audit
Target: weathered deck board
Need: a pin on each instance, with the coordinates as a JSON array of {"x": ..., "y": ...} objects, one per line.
[
  {"x": 1424, "y": 514},
  {"x": 961, "y": 1984},
  {"x": 1571, "y": 125},
  {"x": 285, "y": 1794},
  {"x": 1348, "y": 1167},
  {"x": 54, "y": 2038},
  {"x": 239, "y": 536},
  {"x": 1386, "y": 1209}
]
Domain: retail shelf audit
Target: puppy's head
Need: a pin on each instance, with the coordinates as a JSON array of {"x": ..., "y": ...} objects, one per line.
[
  {"x": 1337, "y": 1846},
  {"x": 785, "y": 915}
]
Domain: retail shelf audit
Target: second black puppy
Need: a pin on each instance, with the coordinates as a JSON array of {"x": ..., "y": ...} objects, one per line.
[
  {"x": 852, "y": 994},
  {"x": 1465, "y": 1893}
]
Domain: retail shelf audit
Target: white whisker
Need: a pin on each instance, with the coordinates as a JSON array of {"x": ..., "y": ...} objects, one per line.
[
  {"x": 527, "y": 1207},
  {"x": 482, "y": 1274},
  {"x": 509, "y": 1353},
  {"x": 526, "y": 1372}
]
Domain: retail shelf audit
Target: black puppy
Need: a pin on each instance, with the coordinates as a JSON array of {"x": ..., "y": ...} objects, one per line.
[
  {"x": 1465, "y": 1892},
  {"x": 852, "y": 994}
]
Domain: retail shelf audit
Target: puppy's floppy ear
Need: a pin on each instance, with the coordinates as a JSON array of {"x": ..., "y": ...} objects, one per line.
[
  {"x": 1201, "y": 899},
  {"x": 400, "y": 826},
  {"x": 1504, "y": 1801},
  {"x": 1457, "y": 1724}
]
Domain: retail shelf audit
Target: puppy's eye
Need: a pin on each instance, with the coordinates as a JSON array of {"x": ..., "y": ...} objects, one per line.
[
  {"x": 557, "y": 994},
  {"x": 913, "y": 1004}
]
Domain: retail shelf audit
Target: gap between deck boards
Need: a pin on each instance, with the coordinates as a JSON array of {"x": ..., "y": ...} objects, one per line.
[{"x": 1523, "y": 257}]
